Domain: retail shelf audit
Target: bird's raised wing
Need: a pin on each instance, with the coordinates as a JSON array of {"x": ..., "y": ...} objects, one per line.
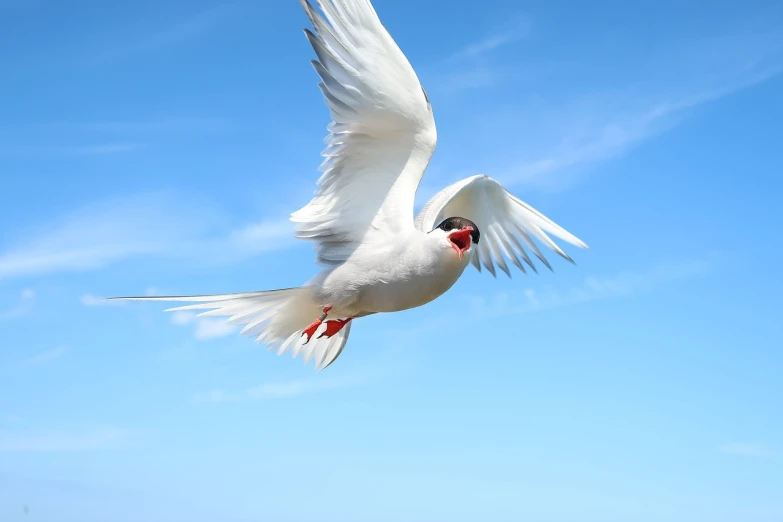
[
  {"x": 380, "y": 140},
  {"x": 507, "y": 224}
]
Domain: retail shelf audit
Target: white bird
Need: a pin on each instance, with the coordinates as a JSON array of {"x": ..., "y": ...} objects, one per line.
[{"x": 375, "y": 256}]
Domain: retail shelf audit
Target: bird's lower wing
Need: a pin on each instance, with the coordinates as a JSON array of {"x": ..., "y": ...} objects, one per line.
[{"x": 507, "y": 224}]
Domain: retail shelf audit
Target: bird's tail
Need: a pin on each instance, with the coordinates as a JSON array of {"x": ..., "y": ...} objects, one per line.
[{"x": 276, "y": 318}]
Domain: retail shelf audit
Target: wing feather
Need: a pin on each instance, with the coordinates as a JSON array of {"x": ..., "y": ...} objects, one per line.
[
  {"x": 381, "y": 137},
  {"x": 507, "y": 224}
]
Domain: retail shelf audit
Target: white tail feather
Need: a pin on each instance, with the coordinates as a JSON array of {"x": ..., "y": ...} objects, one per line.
[{"x": 275, "y": 318}]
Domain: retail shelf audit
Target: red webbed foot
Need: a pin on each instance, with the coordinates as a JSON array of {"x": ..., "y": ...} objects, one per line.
[
  {"x": 334, "y": 326},
  {"x": 310, "y": 330}
]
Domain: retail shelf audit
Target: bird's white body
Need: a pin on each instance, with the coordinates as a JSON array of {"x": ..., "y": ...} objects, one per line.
[
  {"x": 377, "y": 257},
  {"x": 403, "y": 274}
]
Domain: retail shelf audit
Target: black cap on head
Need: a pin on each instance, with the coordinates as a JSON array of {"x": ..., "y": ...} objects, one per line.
[{"x": 458, "y": 223}]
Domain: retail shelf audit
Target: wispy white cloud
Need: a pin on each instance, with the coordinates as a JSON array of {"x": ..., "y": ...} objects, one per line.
[
  {"x": 173, "y": 35},
  {"x": 183, "y": 318},
  {"x": 144, "y": 127},
  {"x": 279, "y": 390},
  {"x": 154, "y": 126},
  {"x": 386, "y": 362},
  {"x": 285, "y": 390},
  {"x": 469, "y": 68},
  {"x": 749, "y": 449},
  {"x": 592, "y": 289},
  {"x": 97, "y": 439},
  {"x": 81, "y": 139},
  {"x": 515, "y": 29},
  {"x": 253, "y": 239},
  {"x": 614, "y": 135},
  {"x": 91, "y": 238},
  {"x": 23, "y": 307},
  {"x": 98, "y": 235},
  {"x": 105, "y": 149},
  {"x": 47, "y": 356},
  {"x": 476, "y": 77},
  {"x": 602, "y": 126},
  {"x": 205, "y": 328},
  {"x": 91, "y": 300},
  {"x": 14, "y": 4}
]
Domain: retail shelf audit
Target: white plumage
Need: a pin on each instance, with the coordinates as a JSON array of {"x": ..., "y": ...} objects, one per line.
[
  {"x": 376, "y": 257},
  {"x": 381, "y": 137},
  {"x": 506, "y": 222}
]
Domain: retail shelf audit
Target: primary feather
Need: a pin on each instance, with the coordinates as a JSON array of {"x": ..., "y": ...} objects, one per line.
[
  {"x": 381, "y": 137},
  {"x": 508, "y": 224}
]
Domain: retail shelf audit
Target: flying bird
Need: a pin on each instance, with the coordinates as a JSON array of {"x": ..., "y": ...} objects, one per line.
[{"x": 376, "y": 257}]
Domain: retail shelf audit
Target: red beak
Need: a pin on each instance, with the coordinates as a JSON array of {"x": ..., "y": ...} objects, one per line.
[{"x": 460, "y": 240}]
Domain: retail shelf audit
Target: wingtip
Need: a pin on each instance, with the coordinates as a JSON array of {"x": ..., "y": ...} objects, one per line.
[
  {"x": 545, "y": 262},
  {"x": 307, "y": 6},
  {"x": 579, "y": 243}
]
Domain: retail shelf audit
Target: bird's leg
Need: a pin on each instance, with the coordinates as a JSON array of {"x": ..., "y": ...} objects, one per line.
[
  {"x": 310, "y": 330},
  {"x": 334, "y": 326}
]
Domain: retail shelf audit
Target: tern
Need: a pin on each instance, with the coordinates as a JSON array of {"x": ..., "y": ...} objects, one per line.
[{"x": 376, "y": 257}]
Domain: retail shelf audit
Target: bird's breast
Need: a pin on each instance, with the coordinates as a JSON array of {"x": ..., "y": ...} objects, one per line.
[{"x": 410, "y": 279}]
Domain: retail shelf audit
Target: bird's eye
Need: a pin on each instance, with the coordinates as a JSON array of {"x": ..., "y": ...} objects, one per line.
[{"x": 447, "y": 226}]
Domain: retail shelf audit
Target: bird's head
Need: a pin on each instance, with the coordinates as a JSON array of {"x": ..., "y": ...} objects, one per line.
[{"x": 459, "y": 234}]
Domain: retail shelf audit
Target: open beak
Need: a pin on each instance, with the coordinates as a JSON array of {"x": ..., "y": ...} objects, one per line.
[{"x": 460, "y": 240}]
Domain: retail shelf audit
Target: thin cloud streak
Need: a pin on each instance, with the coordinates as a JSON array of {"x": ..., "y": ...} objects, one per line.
[
  {"x": 89, "y": 239},
  {"x": 99, "y": 235},
  {"x": 177, "y": 34},
  {"x": 279, "y": 390},
  {"x": 603, "y": 131},
  {"x": 592, "y": 289},
  {"x": 206, "y": 328},
  {"x": 91, "y": 300},
  {"x": 47, "y": 357},
  {"x": 98, "y": 439},
  {"x": 617, "y": 136},
  {"x": 386, "y": 363},
  {"x": 149, "y": 126},
  {"x": 23, "y": 307},
  {"x": 79, "y": 139},
  {"x": 518, "y": 29},
  {"x": 102, "y": 150},
  {"x": 467, "y": 68},
  {"x": 749, "y": 449}
]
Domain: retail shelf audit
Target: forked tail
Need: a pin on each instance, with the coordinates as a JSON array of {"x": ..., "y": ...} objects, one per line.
[{"x": 276, "y": 318}]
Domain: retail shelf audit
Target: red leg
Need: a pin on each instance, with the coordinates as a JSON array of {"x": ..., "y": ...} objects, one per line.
[
  {"x": 334, "y": 326},
  {"x": 310, "y": 330}
]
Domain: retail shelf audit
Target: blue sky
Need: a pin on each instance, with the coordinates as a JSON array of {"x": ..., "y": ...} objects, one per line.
[{"x": 158, "y": 147}]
